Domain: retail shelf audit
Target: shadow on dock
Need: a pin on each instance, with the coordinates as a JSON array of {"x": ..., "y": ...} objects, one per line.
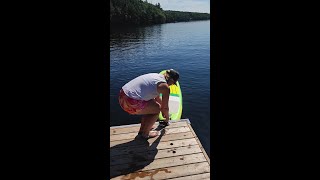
[{"x": 128, "y": 158}]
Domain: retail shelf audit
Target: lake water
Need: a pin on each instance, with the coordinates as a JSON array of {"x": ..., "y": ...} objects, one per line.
[{"x": 183, "y": 46}]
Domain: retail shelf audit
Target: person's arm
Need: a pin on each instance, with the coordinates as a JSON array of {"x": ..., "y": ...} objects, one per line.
[{"x": 165, "y": 90}]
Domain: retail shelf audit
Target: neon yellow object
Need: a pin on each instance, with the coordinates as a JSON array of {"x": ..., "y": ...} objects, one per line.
[{"x": 175, "y": 101}]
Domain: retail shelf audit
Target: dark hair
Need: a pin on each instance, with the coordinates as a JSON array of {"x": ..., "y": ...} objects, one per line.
[{"x": 173, "y": 74}]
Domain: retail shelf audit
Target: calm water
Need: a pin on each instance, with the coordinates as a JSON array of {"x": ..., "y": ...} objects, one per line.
[{"x": 182, "y": 46}]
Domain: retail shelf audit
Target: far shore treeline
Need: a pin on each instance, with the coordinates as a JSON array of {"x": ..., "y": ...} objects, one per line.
[{"x": 139, "y": 12}]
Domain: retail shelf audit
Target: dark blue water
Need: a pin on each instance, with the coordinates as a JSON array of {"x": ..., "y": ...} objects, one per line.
[{"x": 182, "y": 46}]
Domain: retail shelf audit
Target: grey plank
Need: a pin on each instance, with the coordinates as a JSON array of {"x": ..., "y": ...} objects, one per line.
[
  {"x": 158, "y": 164},
  {"x": 135, "y": 128},
  {"x": 201, "y": 147},
  {"x": 152, "y": 155},
  {"x": 168, "y": 137},
  {"x": 167, "y": 173},
  {"x": 203, "y": 176},
  {"x": 123, "y": 149},
  {"x": 118, "y": 137}
]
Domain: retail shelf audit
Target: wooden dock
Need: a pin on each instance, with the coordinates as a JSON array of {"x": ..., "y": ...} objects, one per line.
[{"x": 176, "y": 154}]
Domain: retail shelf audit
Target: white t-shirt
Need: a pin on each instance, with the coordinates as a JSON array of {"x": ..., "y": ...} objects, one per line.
[{"x": 144, "y": 87}]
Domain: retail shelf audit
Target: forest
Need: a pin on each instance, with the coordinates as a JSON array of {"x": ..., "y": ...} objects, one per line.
[{"x": 139, "y": 12}]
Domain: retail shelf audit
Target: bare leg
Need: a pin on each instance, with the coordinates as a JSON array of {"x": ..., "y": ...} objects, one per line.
[
  {"x": 143, "y": 124},
  {"x": 152, "y": 107},
  {"x": 150, "y": 115},
  {"x": 149, "y": 121}
]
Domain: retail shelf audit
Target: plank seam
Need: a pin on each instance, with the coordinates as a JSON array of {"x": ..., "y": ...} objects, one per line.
[
  {"x": 179, "y": 156},
  {"x": 172, "y": 166},
  {"x": 151, "y": 143},
  {"x": 189, "y": 175},
  {"x": 174, "y": 147},
  {"x": 136, "y": 131},
  {"x": 179, "y": 166},
  {"x": 199, "y": 143},
  {"x": 159, "y": 158},
  {"x": 187, "y": 132},
  {"x": 156, "y": 158},
  {"x": 140, "y": 145},
  {"x": 130, "y": 125},
  {"x": 154, "y": 150},
  {"x": 137, "y": 134},
  {"x": 163, "y": 158}
]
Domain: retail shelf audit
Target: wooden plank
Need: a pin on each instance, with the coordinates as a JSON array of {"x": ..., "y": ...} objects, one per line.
[
  {"x": 168, "y": 137},
  {"x": 201, "y": 147},
  {"x": 166, "y": 173},
  {"x": 136, "y": 127},
  {"x": 176, "y": 155},
  {"x": 194, "y": 177},
  {"x": 153, "y": 155},
  {"x": 176, "y": 121},
  {"x": 176, "y": 130},
  {"x": 159, "y": 163},
  {"x": 125, "y": 149},
  {"x": 133, "y": 135}
]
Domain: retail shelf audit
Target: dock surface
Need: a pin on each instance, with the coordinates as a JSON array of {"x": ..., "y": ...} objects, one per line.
[{"x": 176, "y": 154}]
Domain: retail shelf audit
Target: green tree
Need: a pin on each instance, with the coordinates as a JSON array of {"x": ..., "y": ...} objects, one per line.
[{"x": 138, "y": 12}]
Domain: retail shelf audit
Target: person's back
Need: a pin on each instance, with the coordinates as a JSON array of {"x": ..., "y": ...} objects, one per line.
[{"x": 144, "y": 87}]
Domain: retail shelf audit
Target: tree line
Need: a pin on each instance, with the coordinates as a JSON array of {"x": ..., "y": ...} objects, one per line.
[{"x": 138, "y": 12}]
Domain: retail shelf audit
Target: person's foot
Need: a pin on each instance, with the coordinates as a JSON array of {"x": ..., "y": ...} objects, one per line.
[
  {"x": 152, "y": 128},
  {"x": 151, "y": 134}
]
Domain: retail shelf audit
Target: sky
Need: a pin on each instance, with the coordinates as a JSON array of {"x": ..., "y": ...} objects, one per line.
[{"x": 184, "y": 5}]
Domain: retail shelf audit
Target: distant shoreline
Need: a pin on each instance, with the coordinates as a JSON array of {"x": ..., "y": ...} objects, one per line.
[{"x": 140, "y": 13}]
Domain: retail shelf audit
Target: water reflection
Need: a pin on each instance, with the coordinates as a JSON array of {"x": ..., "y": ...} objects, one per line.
[{"x": 133, "y": 37}]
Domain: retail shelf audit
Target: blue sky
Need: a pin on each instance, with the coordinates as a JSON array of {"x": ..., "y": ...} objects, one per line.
[{"x": 184, "y": 5}]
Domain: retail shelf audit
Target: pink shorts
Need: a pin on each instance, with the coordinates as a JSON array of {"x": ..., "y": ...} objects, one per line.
[{"x": 132, "y": 106}]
